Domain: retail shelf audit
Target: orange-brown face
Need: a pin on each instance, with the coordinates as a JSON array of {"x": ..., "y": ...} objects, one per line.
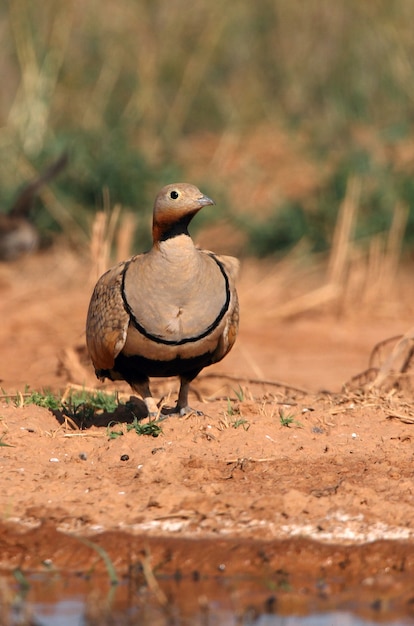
[{"x": 174, "y": 207}]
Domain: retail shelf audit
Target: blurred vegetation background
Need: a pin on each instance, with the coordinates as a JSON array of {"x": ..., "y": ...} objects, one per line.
[{"x": 271, "y": 107}]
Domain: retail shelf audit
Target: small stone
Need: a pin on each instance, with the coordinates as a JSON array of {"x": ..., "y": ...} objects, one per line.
[
  {"x": 318, "y": 430},
  {"x": 125, "y": 457},
  {"x": 155, "y": 450},
  {"x": 83, "y": 456}
]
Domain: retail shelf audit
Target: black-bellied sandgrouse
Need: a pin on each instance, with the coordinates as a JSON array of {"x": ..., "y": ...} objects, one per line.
[
  {"x": 18, "y": 234},
  {"x": 168, "y": 312}
]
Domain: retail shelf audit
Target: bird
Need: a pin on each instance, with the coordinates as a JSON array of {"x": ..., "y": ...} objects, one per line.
[
  {"x": 18, "y": 234},
  {"x": 170, "y": 311}
]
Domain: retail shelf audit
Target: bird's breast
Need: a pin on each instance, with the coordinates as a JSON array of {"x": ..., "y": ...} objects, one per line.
[{"x": 175, "y": 304}]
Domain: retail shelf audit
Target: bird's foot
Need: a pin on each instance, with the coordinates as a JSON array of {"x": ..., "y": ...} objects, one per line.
[
  {"x": 153, "y": 416},
  {"x": 152, "y": 408},
  {"x": 187, "y": 410},
  {"x": 183, "y": 411}
]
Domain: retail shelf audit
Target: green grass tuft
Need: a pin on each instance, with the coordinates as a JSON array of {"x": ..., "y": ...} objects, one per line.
[
  {"x": 84, "y": 406},
  {"x": 3, "y": 444},
  {"x": 239, "y": 393},
  {"x": 241, "y": 422},
  {"x": 289, "y": 420},
  {"x": 151, "y": 428},
  {"x": 45, "y": 399}
]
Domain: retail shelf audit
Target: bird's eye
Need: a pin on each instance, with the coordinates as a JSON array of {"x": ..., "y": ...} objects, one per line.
[{"x": 174, "y": 195}]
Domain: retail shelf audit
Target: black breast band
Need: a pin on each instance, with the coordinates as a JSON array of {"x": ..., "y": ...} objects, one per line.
[{"x": 171, "y": 342}]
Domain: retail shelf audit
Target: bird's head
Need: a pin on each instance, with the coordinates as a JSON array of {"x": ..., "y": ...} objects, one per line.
[{"x": 175, "y": 206}]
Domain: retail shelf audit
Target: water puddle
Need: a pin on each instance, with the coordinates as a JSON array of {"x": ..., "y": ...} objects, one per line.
[
  {"x": 68, "y": 614},
  {"x": 119, "y": 579},
  {"x": 59, "y": 600}
]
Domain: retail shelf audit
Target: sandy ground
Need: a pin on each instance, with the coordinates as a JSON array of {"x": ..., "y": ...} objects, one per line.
[{"x": 339, "y": 473}]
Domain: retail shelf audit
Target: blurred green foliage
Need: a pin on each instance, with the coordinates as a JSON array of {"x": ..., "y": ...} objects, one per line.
[
  {"x": 120, "y": 85},
  {"x": 314, "y": 218}
]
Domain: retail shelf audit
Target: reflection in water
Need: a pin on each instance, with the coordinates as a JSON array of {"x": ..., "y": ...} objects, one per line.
[
  {"x": 63, "y": 613},
  {"x": 71, "y": 613},
  {"x": 75, "y": 600},
  {"x": 327, "y": 619}
]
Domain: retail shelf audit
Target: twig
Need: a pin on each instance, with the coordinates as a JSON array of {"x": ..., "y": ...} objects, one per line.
[
  {"x": 400, "y": 416},
  {"x": 374, "y": 356},
  {"x": 250, "y": 459},
  {"x": 14, "y": 396},
  {"x": 402, "y": 350},
  {"x": 256, "y": 381},
  {"x": 83, "y": 433}
]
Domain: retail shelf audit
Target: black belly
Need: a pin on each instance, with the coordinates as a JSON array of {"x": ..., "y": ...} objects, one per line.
[{"x": 138, "y": 368}]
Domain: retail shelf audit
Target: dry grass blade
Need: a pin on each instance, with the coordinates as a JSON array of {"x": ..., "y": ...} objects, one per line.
[
  {"x": 383, "y": 258},
  {"x": 394, "y": 245},
  {"x": 99, "y": 252},
  {"x": 103, "y": 233},
  {"x": 125, "y": 236},
  {"x": 69, "y": 422},
  {"x": 407, "y": 419},
  {"x": 18, "y": 396},
  {"x": 306, "y": 302},
  {"x": 343, "y": 232}
]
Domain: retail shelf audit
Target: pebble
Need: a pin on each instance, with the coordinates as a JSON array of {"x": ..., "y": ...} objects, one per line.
[{"x": 318, "y": 430}]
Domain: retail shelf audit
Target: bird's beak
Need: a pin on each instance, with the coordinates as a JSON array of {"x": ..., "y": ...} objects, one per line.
[{"x": 205, "y": 201}]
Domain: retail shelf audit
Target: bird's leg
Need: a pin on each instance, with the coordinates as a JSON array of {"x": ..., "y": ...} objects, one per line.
[
  {"x": 143, "y": 389},
  {"x": 182, "y": 403}
]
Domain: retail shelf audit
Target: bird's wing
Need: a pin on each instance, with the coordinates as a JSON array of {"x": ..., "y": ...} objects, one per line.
[
  {"x": 231, "y": 266},
  {"x": 107, "y": 321}
]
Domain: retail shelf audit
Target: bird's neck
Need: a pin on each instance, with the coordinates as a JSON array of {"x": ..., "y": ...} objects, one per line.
[
  {"x": 177, "y": 247},
  {"x": 165, "y": 229}
]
